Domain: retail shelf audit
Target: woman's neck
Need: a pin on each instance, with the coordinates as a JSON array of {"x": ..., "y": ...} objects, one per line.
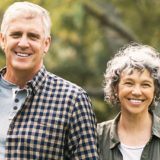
[{"x": 135, "y": 130}]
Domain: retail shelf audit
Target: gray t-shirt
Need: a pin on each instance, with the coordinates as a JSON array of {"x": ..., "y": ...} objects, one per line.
[{"x": 11, "y": 99}]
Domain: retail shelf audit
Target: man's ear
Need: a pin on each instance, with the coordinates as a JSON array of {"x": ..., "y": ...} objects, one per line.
[
  {"x": 47, "y": 44},
  {"x": 2, "y": 41}
]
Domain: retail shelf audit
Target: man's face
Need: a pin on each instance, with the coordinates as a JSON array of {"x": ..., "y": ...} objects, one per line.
[{"x": 24, "y": 44}]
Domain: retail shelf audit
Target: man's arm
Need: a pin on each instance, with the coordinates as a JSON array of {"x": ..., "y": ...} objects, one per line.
[{"x": 82, "y": 138}]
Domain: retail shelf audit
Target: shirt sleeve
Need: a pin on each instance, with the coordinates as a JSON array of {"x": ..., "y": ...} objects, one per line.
[{"x": 82, "y": 133}]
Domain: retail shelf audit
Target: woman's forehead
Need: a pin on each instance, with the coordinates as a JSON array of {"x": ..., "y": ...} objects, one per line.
[{"x": 137, "y": 73}]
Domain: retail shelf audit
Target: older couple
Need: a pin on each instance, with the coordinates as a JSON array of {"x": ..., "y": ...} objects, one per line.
[{"x": 44, "y": 117}]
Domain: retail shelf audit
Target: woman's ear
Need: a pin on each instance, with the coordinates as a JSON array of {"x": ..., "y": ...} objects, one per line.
[{"x": 115, "y": 91}]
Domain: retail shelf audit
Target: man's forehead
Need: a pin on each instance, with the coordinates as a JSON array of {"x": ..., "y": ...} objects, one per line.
[
  {"x": 29, "y": 16},
  {"x": 26, "y": 24}
]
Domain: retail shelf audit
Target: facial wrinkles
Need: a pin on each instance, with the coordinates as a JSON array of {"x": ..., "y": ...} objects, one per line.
[{"x": 138, "y": 86}]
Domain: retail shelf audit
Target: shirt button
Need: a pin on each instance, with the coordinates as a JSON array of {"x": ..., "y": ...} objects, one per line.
[
  {"x": 15, "y": 107},
  {"x": 16, "y": 100}
]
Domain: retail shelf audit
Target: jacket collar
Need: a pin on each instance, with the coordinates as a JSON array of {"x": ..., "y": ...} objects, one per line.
[
  {"x": 156, "y": 125},
  {"x": 114, "y": 140}
]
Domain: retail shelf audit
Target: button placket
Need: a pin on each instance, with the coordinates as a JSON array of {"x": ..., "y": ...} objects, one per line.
[{"x": 15, "y": 104}]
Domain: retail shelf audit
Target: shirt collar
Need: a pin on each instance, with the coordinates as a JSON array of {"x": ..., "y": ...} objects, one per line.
[
  {"x": 3, "y": 71},
  {"x": 38, "y": 80}
]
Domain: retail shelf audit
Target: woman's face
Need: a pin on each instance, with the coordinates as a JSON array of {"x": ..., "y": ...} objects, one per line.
[{"x": 135, "y": 91}]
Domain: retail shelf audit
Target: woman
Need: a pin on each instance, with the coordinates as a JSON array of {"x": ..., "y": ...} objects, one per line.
[{"x": 132, "y": 81}]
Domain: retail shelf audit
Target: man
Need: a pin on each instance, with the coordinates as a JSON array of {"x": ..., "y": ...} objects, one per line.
[{"x": 42, "y": 116}]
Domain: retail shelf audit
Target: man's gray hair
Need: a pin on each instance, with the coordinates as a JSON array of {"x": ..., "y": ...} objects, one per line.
[{"x": 28, "y": 10}]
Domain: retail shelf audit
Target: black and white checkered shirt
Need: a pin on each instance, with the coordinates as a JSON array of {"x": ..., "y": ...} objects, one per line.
[{"x": 56, "y": 122}]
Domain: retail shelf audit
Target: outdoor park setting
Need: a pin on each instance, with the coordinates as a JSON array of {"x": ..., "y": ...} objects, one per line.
[{"x": 87, "y": 33}]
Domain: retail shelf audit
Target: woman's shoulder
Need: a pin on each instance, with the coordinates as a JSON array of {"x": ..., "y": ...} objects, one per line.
[{"x": 104, "y": 126}]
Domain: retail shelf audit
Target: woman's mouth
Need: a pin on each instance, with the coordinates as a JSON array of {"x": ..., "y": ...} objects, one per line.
[{"x": 137, "y": 101}]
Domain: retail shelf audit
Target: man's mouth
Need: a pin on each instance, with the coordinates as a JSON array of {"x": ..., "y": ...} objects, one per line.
[{"x": 22, "y": 54}]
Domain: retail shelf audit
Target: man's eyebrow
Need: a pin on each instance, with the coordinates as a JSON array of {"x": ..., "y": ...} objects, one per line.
[
  {"x": 34, "y": 34},
  {"x": 15, "y": 32}
]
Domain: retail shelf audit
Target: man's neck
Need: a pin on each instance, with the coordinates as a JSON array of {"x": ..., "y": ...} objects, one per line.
[{"x": 19, "y": 78}]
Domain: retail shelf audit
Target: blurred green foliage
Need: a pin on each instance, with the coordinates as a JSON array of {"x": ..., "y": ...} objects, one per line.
[{"x": 87, "y": 33}]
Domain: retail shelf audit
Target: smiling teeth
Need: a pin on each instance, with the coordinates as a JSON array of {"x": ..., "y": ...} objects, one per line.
[
  {"x": 135, "y": 101},
  {"x": 22, "y": 54}
]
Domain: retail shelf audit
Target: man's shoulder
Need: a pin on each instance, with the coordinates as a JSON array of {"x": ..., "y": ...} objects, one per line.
[{"x": 62, "y": 84}]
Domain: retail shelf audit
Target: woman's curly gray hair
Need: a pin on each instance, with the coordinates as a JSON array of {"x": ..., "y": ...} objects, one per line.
[{"x": 132, "y": 56}]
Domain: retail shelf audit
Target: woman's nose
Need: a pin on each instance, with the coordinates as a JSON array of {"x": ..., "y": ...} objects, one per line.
[{"x": 136, "y": 90}]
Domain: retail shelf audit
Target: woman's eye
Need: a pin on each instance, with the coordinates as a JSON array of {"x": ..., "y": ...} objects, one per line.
[
  {"x": 128, "y": 83},
  {"x": 146, "y": 85}
]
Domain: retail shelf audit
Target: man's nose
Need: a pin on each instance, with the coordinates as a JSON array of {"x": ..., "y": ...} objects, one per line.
[{"x": 23, "y": 42}]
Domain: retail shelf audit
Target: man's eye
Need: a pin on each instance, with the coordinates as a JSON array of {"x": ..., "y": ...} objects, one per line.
[
  {"x": 33, "y": 36},
  {"x": 15, "y": 35}
]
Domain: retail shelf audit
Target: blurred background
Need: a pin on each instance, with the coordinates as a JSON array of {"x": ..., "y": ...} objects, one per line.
[{"x": 87, "y": 33}]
